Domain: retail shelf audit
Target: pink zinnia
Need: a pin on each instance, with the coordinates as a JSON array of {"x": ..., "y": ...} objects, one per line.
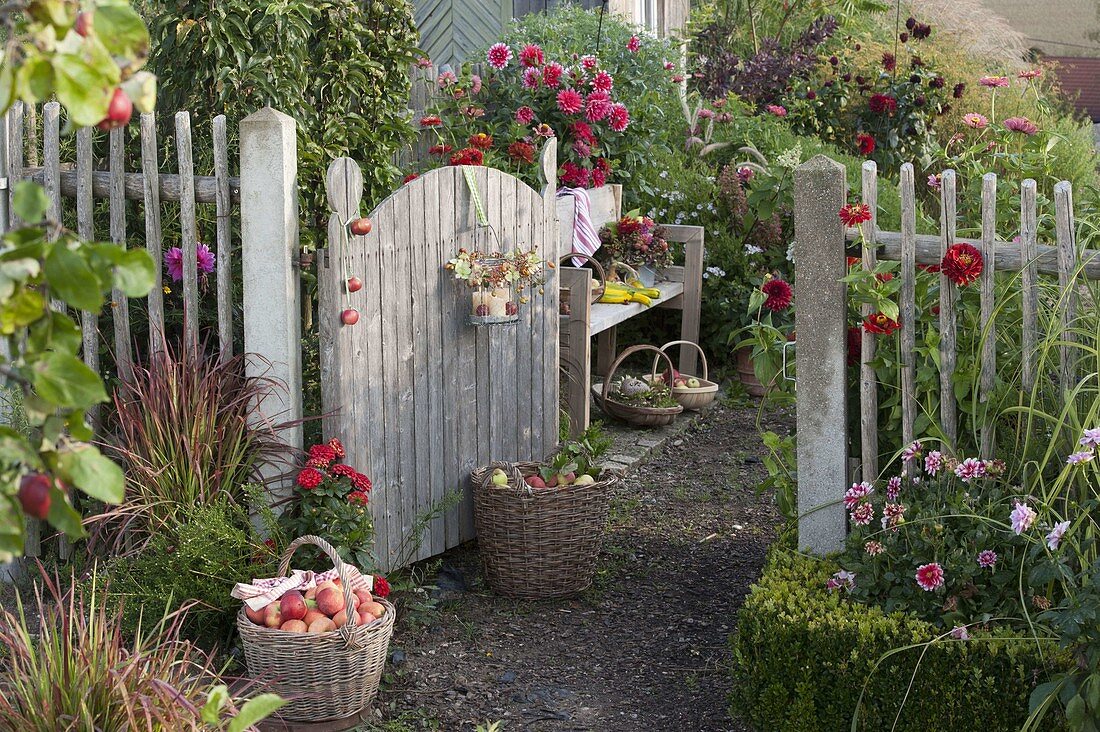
[
  {"x": 893, "y": 488},
  {"x": 1021, "y": 124},
  {"x": 993, "y": 81},
  {"x": 634, "y": 44},
  {"x": 933, "y": 462},
  {"x": 424, "y": 63},
  {"x": 619, "y": 117},
  {"x": 970, "y": 469},
  {"x": 445, "y": 79},
  {"x": 975, "y": 120},
  {"x": 1030, "y": 74},
  {"x": 987, "y": 559},
  {"x": 569, "y": 101},
  {"x": 531, "y": 78},
  {"x": 856, "y": 493},
  {"x": 499, "y": 55},
  {"x": 1022, "y": 517},
  {"x": 930, "y": 576},
  {"x": 475, "y": 84},
  {"x": 777, "y": 110},
  {"x": 552, "y": 73},
  {"x": 525, "y": 115},
  {"x": 602, "y": 81},
  {"x": 531, "y": 55},
  {"x": 863, "y": 514},
  {"x": 597, "y": 106}
]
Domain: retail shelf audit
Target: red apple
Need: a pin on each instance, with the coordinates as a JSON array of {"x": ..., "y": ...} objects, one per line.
[
  {"x": 376, "y": 609},
  {"x": 354, "y": 284},
  {"x": 349, "y": 316},
  {"x": 273, "y": 617},
  {"x": 330, "y": 601},
  {"x": 312, "y": 616},
  {"x": 83, "y": 23},
  {"x": 364, "y": 596},
  {"x": 34, "y": 494},
  {"x": 535, "y": 481},
  {"x": 361, "y": 227},
  {"x": 365, "y": 618},
  {"x": 119, "y": 111},
  {"x": 256, "y": 616},
  {"x": 323, "y": 625},
  {"x": 293, "y": 606},
  {"x": 294, "y": 626}
]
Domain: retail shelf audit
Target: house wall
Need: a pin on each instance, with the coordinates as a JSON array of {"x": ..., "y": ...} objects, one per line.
[{"x": 1055, "y": 27}]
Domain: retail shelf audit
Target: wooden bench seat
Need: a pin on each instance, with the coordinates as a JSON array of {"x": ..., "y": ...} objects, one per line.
[{"x": 681, "y": 290}]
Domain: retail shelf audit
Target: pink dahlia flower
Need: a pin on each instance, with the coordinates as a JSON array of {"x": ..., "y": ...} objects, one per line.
[
  {"x": 929, "y": 576},
  {"x": 569, "y": 101},
  {"x": 854, "y": 495},
  {"x": 1022, "y": 517},
  {"x": 552, "y": 73},
  {"x": 619, "y": 117},
  {"x": 499, "y": 55},
  {"x": 987, "y": 559},
  {"x": 1054, "y": 538}
]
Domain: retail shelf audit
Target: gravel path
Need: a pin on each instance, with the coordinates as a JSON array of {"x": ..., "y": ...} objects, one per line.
[{"x": 644, "y": 648}]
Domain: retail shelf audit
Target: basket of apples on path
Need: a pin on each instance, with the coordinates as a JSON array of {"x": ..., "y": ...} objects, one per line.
[
  {"x": 540, "y": 525},
  {"x": 636, "y": 401},
  {"x": 691, "y": 392},
  {"x": 318, "y": 640}
]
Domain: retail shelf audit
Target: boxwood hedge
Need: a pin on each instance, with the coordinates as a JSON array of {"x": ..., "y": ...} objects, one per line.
[{"x": 802, "y": 657}]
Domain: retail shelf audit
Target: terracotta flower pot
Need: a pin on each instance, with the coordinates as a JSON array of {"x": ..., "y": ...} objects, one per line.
[{"x": 746, "y": 374}]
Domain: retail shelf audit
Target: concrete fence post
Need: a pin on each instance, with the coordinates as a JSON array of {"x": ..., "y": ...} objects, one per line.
[
  {"x": 820, "y": 190},
  {"x": 269, "y": 261}
]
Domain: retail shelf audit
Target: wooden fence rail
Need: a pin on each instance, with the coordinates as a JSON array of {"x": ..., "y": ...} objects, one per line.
[{"x": 820, "y": 256}]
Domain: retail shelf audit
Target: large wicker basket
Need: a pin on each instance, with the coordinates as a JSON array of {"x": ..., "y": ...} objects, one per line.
[
  {"x": 538, "y": 543},
  {"x": 639, "y": 416},
  {"x": 324, "y": 676}
]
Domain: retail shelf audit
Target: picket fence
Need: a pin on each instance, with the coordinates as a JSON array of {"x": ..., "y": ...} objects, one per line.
[
  {"x": 821, "y": 241},
  {"x": 263, "y": 196}
]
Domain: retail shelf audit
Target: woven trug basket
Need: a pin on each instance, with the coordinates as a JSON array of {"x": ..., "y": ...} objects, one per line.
[
  {"x": 324, "y": 676},
  {"x": 539, "y": 543},
  {"x": 688, "y": 397},
  {"x": 637, "y": 415}
]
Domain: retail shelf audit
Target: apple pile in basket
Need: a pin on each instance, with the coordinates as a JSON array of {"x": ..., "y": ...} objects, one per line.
[
  {"x": 570, "y": 467},
  {"x": 321, "y": 608}
]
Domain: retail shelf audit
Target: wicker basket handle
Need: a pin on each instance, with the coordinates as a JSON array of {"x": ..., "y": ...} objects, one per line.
[
  {"x": 602, "y": 274},
  {"x": 622, "y": 357},
  {"x": 656, "y": 359},
  {"x": 515, "y": 477},
  {"x": 615, "y": 264},
  {"x": 346, "y": 630}
]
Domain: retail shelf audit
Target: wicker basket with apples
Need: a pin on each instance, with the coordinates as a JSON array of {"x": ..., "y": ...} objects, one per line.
[{"x": 691, "y": 392}]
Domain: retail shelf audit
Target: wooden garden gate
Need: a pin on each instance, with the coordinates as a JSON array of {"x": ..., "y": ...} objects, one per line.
[
  {"x": 821, "y": 243},
  {"x": 419, "y": 396}
]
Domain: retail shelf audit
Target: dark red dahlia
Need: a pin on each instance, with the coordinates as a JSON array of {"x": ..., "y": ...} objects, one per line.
[
  {"x": 889, "y": 61},
  {"x": 882, "y": 103},
  {"x": 779, "y": 295},
  {"x": 879, "y": 324},
  {"x": 866, "y": 143},
  {"x": 310, "y": 478},
  {"x": 522, "y": 152},
  {"x": 962, "y": 264},
  {"x": 481, "y": 141},
  {"x": 381, "y": 588}
]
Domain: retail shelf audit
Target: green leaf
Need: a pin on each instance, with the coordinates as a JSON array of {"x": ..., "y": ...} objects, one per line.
[
  {"x": 35, "y": 80},
  {"x": 21, "y": 309},
  {"x": 62, "y": 516},
  {"x": 255, "y": 710},
  {"x": 56, "y": 333},
  {"x": 215, "y": 702},
  {"x": 121, "y": 30},
  {"x": 72, "y": 280},
  {"x": 7, "y": 83},
  {"x": 11, "y": 528},
  {"x": 82, "y": 89},
  {"x": 14, "y": 449},
  {"x": 135, "y": 273},
  {"x": 29, "y": 201},
  {"x": 67, "y": 382},
  {"x": 89, "y": 470},
  {"x": 889, "y": 308}
]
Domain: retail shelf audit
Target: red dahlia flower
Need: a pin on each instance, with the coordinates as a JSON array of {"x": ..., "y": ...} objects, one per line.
[
  {"x": 525, "y": 115},
  {"x": 522, "y": 152},
  {"x": 552, "y": 73},
  {"x": 879, "y": 324},
  {"x": 381, "y": 588},
  {"x": 962, "y": 264},
  {"x": 929, "y": 576},
  {"x": 634, "y": 44},
  {"x": 499, "y": 55},
  {"x": 779, "y": 295},
  {"x": 310, "y": 478},
  {"x": 619, "y": 117},
  {"x": 882, "y": 103},
  {"x": 573, "y": 175},
  {"x": 531, "y": 55},
  {"x": 854, "y": 214},
  {"x": 361, "y": 482},
  {"x": 343, "y": 470},
  {"x": 866, "y": 143},
  {"x": 409, "y": 178},
  {"x": 569, "y": 101},
  {"x": 323, "y": 453},
  {"x": 481, "y": 141},
  {"x": 889, "y": 61}
]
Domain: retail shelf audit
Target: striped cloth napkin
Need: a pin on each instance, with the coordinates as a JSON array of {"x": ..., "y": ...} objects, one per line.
[
  {"x": 585, "y": 238},
  {"x": 262, "y": 592}
]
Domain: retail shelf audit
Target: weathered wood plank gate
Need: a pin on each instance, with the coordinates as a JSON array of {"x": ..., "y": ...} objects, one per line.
[
  {"x": 420, "y": 396},
  {"x": 821, "y": 321}
]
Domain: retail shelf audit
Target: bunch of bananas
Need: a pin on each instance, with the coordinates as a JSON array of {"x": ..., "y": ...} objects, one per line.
[{"x": 620, "y": 293}]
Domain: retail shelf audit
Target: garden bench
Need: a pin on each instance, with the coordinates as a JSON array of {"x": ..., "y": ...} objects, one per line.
[{"x": 681, "y": 291}]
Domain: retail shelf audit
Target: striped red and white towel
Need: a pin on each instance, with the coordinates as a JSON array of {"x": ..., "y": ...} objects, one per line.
[
  {"x": 585, "y": 238},
  {"x": 260, "y": 592}
]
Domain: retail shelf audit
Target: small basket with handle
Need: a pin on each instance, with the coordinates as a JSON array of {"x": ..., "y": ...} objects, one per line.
[
  {"x": 324, "y": 676},
  {"x": 689, "y": 397},
  {"x": 599, "y": 277},
  {"x": 635, "y": 414},
  {"x": 539, "y": 542}
]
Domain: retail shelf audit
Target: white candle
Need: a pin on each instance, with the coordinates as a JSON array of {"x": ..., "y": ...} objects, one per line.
[{"x": 498, "y": 306}]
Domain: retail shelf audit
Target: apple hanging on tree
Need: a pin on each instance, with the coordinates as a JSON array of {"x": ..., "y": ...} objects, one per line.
[{"x": 119, "y": 111}]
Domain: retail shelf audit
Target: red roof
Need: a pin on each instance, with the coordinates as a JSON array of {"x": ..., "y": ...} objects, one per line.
[{"x": 1080, "y": 79}]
